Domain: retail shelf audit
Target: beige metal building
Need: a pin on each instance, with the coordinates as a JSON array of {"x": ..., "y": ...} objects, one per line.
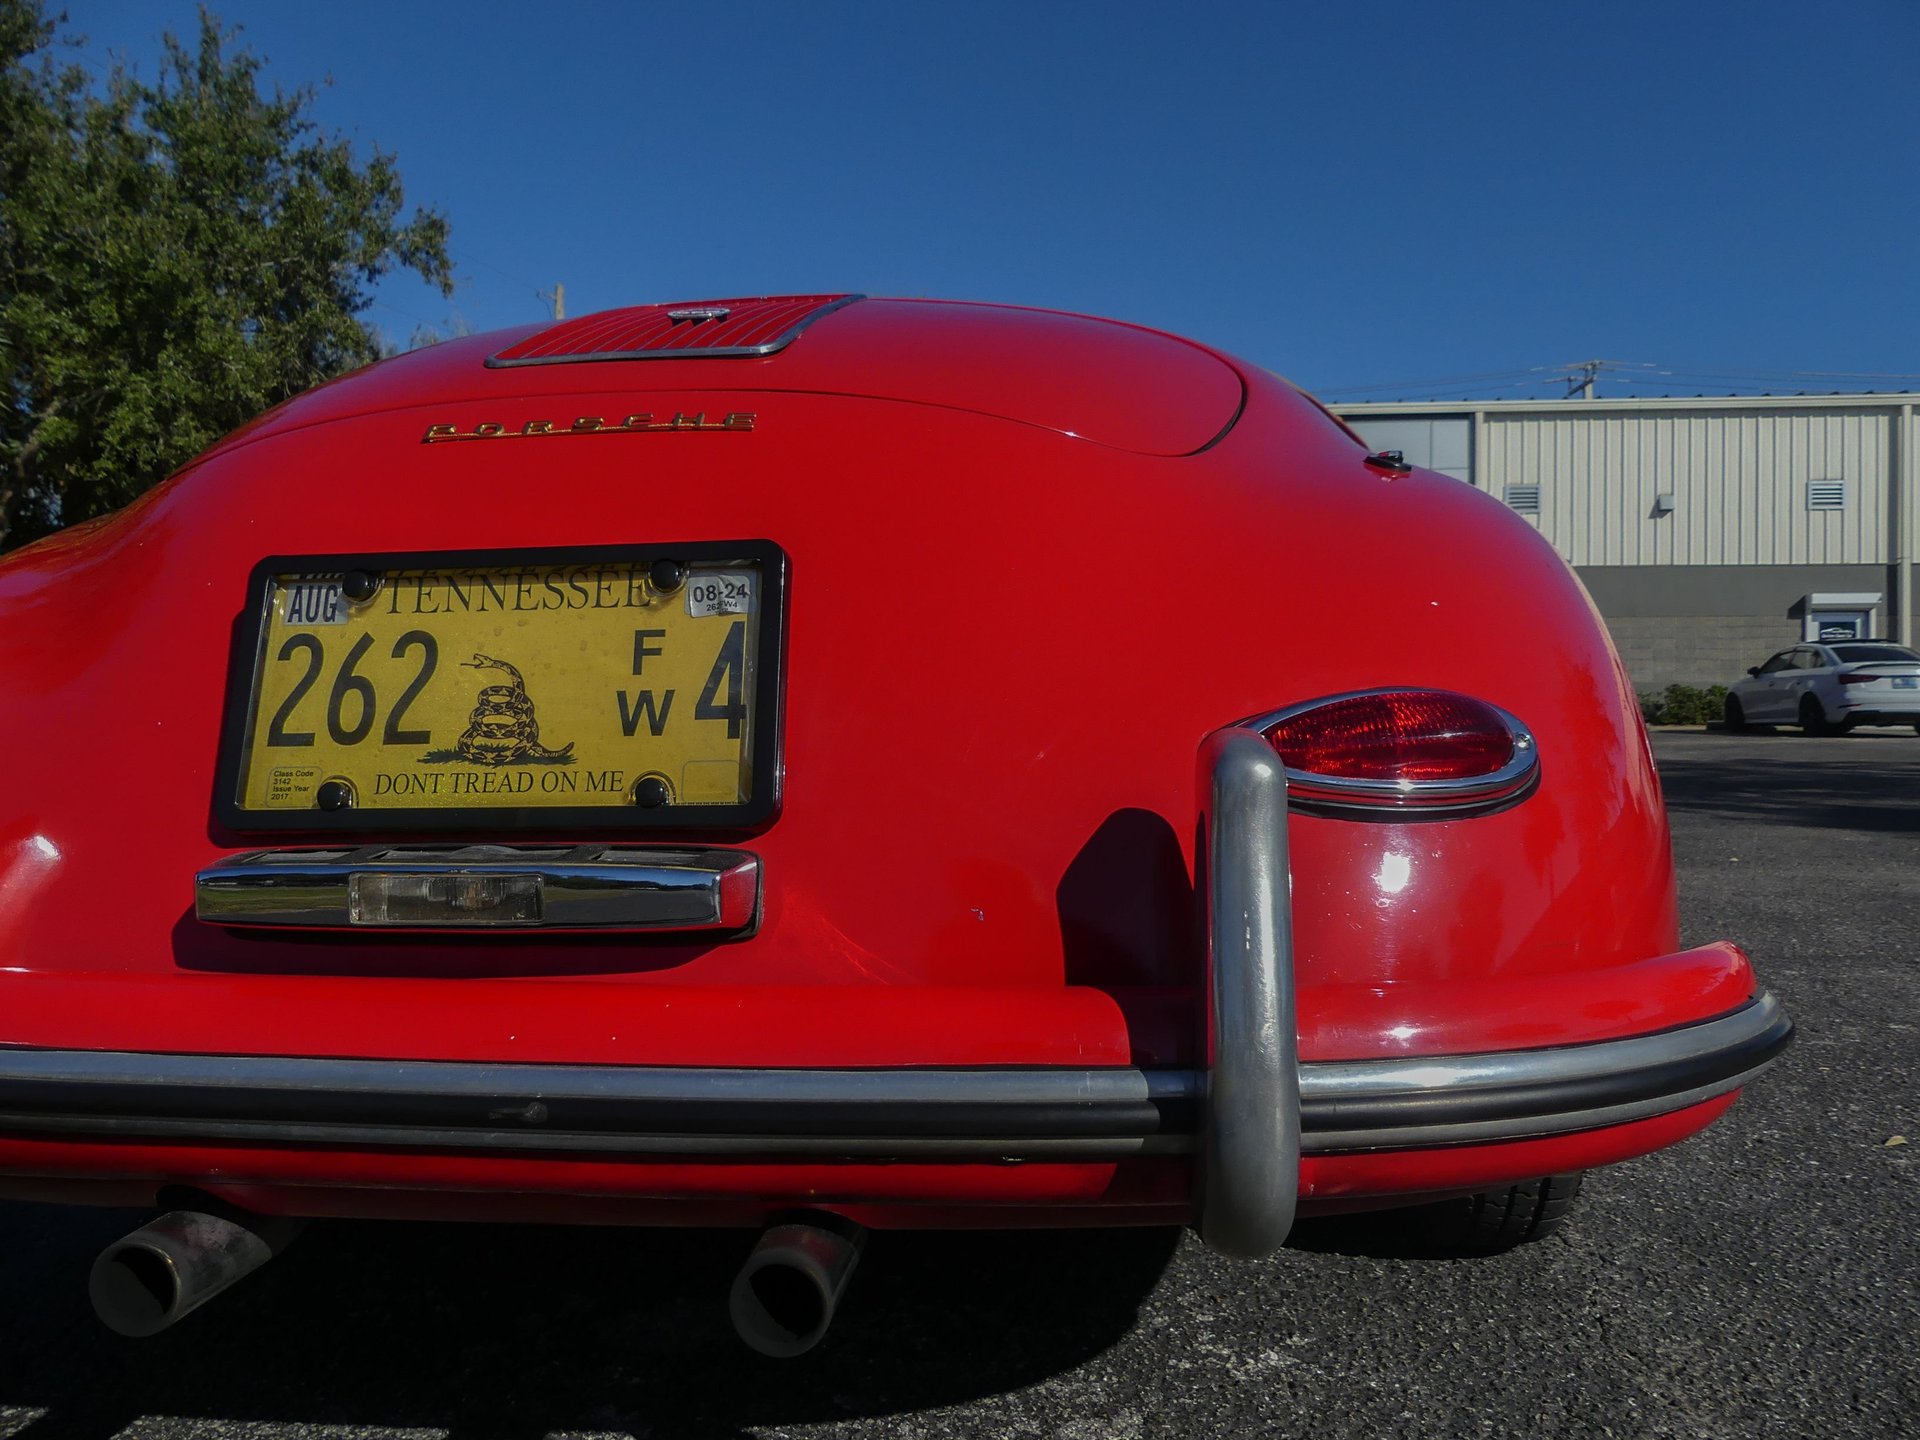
[{"x": 1710, "y": 532}]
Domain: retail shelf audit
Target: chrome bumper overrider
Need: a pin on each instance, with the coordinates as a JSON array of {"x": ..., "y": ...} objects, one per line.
[
  {"x": 1261, "y": 1108},
  {"x": 1248, "y": 1177},
  {"x": 1249, "y": 1115}
]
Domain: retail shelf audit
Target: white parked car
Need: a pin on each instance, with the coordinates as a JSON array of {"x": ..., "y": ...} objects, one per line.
[{"x": 1829, "y": 689}]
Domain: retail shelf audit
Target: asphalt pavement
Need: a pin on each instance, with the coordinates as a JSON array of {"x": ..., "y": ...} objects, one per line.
[{"x": 1763, "y": 1280}]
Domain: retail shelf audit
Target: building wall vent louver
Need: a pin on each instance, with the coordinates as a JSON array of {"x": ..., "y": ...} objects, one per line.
[
  {"x": 1524, "y": 498},
  {"x": 1826, "y": 494}
]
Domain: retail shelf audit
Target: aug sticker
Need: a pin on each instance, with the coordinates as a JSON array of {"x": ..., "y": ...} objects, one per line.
[
  {"x": 720, "y": 592},
  {"x": 315, "y": 602}
]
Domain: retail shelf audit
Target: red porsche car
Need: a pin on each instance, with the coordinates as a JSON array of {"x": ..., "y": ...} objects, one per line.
[{"x": 817, "y": 763}]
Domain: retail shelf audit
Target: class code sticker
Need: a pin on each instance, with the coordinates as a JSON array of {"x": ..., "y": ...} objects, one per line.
[{"x": 720, "y": 592}]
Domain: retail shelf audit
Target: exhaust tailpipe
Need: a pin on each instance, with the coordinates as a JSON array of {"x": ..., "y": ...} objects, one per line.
[
  {"x": 174, "y": 1264},
  {"x": 784, "y": 1297}
]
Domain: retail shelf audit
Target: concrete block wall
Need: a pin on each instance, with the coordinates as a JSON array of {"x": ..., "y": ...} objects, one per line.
[
  {"x": 1705, "y": 624},
  {"x": 1663, "y": 650}
]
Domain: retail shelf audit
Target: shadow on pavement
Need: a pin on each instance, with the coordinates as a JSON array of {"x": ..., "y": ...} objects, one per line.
[
  {"x": 1415, "y": 1232},
  {"x": 1866, "y": 781},
  {"x": 519, "y": 1331}
]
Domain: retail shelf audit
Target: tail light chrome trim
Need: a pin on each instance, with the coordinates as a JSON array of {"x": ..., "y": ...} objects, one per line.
[
  {"x": 1355, "y": 798},
  {"x": 492, "y": 888}
]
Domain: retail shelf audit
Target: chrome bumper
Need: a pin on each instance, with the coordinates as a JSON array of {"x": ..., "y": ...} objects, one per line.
[
  {"x": 1248, "y": 1115},
  {"x": 1108, "y": 1113}
]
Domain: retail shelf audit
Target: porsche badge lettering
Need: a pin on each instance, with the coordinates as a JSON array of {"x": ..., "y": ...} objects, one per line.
[{"x": 589, "y": 425}]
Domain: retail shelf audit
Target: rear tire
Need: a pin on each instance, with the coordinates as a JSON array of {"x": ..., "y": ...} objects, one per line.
[
  {"x": 1501, "y": 1219},
  {"x": 1813, "y": 718},
  {"x": 1736, "y": 717}
]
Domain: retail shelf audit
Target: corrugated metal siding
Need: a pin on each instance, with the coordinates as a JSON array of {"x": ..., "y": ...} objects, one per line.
[{"x": 1738, "y": 481}]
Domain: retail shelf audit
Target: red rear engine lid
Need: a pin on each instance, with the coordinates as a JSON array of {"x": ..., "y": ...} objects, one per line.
[
  {"x": 1117, "y": 384},
  {"x": 1110, "y": 383}
]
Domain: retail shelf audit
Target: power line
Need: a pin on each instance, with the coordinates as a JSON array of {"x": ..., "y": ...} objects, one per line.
[
  {"x": 1452, "y": 382},
  {"x": 417, "y": 319},
  {"x": 1785, "y": 375},
  {"x": 1581, "y": 376},
  {"x": 554, "y": 299},
  {"x": 468, "y": 258},
  {"x": 1852, "y": 375}
]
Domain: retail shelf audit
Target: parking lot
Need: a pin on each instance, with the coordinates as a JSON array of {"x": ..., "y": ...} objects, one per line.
[{"x": 1762, "y": 1280}]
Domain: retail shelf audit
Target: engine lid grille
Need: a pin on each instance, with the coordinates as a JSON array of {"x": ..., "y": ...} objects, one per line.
[{"x": 703, "y": 329}]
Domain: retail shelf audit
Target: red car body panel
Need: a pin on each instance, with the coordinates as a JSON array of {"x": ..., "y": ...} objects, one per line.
[
  {"x": 551, "y": 1020},
  {"x": 1035, "y": 560}
]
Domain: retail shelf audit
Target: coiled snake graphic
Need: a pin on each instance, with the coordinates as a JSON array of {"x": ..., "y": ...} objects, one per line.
[{"x": 502, "y": 729}]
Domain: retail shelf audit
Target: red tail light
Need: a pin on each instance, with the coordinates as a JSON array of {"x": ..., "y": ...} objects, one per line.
[
  {"x": 1432, "y": 751},
  {"x": 1856, "y": 678}
]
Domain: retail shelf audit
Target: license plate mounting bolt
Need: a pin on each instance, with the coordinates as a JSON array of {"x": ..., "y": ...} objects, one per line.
[{"x": 360, "y": 586}]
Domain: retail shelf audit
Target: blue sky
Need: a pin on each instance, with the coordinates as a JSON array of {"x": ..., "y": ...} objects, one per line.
[{"x": 1358, "y": 195}]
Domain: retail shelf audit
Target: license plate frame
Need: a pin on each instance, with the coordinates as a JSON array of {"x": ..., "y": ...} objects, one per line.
[{"x": 765, "y": 715}]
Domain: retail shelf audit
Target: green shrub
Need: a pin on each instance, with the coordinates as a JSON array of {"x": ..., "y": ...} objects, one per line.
[{"x": 1684, "y": 705}]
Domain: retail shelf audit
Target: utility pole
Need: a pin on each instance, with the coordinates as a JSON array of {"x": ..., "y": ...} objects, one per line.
[
  {"x": 556, "y": 297},
  {"x": 1581, "y": 375}
]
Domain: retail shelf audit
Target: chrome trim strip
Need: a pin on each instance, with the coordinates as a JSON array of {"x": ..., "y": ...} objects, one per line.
[
  {"x": 596, "y": 888},
  {"x": 1409, "y": 799},
  {"x": 1340, "y": 1081},
  {"x": 987, "y": 1115},
  {"x": 1108, "y": 1112},
  {"x": 1248, "y": 1180},
  {"x": 1422, "y": 1102},
  {"x": 1008, "y": 1149},
  {"x": 712, "y": 352},
  {"x": 1521, "y": 1127},
  {"x": 397, "y": 1080}
]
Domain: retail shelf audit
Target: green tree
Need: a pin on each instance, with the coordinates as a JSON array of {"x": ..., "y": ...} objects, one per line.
[{"x": 175, "y": 257}]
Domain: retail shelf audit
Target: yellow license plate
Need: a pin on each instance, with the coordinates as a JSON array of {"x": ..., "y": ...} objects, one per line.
[{"x": 624, "y": 688}]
